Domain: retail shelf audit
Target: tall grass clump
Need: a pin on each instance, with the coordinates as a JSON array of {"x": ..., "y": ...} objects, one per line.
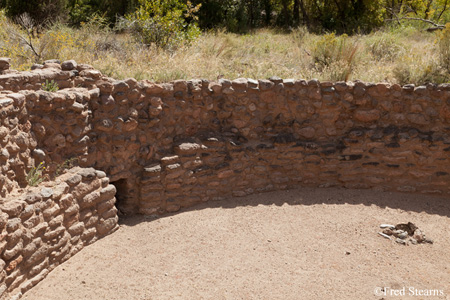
[
  {"x": 335, "y": 55},
  {"x": 425, "y": 59},
  {"x": 443, "y": 43},
  {"x": 418, "y": 70},
  {"x": 384, "y": 46}
]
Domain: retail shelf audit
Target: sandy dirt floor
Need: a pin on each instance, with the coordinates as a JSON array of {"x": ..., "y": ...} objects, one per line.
[{"x": 297, "y": 244}]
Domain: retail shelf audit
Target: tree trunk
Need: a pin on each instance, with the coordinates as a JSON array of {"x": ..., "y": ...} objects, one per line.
[
  {"x": 268, "y": 12},
  {"x": 251, "y": 15},
  {"x": 296, "y": 12},
  {"x": 286, "y": 20},
  {"x": 427, "y": 10},
  {"x": 304, "y": 13},
  {"x": 443, "y": 10}
]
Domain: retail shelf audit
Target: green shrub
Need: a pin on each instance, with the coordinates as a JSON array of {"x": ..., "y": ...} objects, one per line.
[
  {"x": 330, "y": 48},
  {"x": 36, "y": 176},
  {"x": 384, "y": 46},
  {"x": 50, "y": 86},
  {"x": 335, "y": 54},
  {"x": 163, "y": 23}
]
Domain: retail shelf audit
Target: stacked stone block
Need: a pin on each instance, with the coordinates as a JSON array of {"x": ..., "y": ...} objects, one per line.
[
  {"x": 256, "y": 135},
  {"x": 43, "y": 226},
  {"x": 165, "y": 146},
  {"x": 16, "y": 142}
]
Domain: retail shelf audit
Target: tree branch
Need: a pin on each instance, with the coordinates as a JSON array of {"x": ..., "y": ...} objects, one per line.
[
  {"x": 417, "y": 19},
  {"x": 431, "y": 29},
  {"x": 443, "y": 10},
  {"x": 394, "y": 14}
]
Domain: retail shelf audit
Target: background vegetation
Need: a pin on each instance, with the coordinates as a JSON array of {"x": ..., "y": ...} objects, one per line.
[{"x": 373, "y": 40}]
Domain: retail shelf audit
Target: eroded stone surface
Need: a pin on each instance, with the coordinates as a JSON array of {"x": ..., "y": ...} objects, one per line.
[{"x": 41, "y": 228}]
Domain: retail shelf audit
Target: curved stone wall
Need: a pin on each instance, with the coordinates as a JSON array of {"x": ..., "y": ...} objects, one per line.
[
  {"x": 43, "y": 226},
  {"x": 171, "y": 145}
]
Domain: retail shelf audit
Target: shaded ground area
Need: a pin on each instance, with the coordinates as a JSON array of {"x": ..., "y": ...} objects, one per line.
[{"x": 298, "y": 244}]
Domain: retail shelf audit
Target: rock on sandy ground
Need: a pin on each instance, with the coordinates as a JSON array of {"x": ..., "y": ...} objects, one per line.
[{"x": 298, "y": 244}]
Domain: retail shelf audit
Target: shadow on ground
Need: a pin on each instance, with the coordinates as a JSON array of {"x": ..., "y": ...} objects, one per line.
[{"x": 429, "y": 204}]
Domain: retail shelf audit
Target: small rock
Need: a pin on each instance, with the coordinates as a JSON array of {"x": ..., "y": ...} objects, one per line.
[
  {"x": 228, "y": 91},
  {"x": 367, "y": 115},
  {"x": 189, "y": 147},
  {"x": 400, "y": 234},
  {"x": 50, "y": 65},
  {"x": 409, "y": 87},
  {"x": 240, "y": 83},
  {"x": 153, "y": 170},
  {"x": 307, "y": 132},
  {"x": 5, "y": 102},
  {"x": 225, "y": 82},
  {"x": 314, "y": 82},
  {"x": 100, "y": 174},
  {"x": 403, "y": 235},
  {"x": 74, "y": 180},
  {"x": 384, "y": 235},
  {"x": 409, "y": 228},
  {"x": 276, "y": 79},
  {"x": 4, "y": 154},
  {"x": 46, "y": 192},
  {"x": 78, "y": 107},
  {"x": 39, "y": 154},
  {"x": 36, "y": 66},
  {"x": 52, "y": 61},
  {"x": 418, "y": 236},
  {"x": 4, "y": 63},
  {"x": 387, "y": 231},
  {"x": 252, "y": 83},
  {"x": 265, "y": 84},
  {"x": 387, "y": 226},
  {"x": 69, "y": 65},
  {"x": 400, "y": 241},
  {"x": 215, "y": 87},
  {"x": 87, "y": 173}
]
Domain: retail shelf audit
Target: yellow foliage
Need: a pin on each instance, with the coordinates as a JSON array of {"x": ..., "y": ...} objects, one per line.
[{"x": 444, "y": 47}]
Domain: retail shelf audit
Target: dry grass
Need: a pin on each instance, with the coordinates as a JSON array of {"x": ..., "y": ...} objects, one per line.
[{"x": 398, "y": 55}]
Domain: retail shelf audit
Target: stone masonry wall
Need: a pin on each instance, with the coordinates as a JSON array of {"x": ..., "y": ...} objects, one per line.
[
  {"x": 161, "y": 147},
  {"x": 44, "y": 226},
  {"x": 171, "y": 145},
  {"x": 16, "y": 142}
]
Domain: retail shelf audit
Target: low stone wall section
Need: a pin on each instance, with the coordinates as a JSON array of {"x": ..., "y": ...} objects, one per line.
[
  {"x": 43, "y": 226},
  {"x": 170, "y": 145},
  {"x": 161, "y": 147},
  {"x": 16, "y": 142}
]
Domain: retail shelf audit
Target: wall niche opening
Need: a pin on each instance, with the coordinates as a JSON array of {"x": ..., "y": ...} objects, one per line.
[{"x": 122, "y": 195}]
